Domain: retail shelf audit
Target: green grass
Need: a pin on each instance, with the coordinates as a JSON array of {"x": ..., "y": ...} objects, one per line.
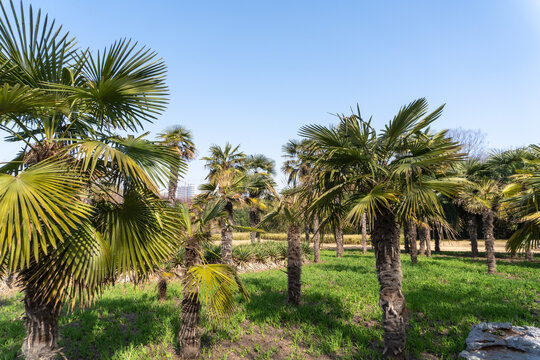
[{"x": 339, "y": 316}]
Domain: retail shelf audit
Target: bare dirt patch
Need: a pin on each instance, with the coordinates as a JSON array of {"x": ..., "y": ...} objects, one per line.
[{"x": 260, "y": 343}]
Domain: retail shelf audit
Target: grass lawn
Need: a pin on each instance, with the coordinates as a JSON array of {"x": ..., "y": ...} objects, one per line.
[{"x": 339, "y": 316}]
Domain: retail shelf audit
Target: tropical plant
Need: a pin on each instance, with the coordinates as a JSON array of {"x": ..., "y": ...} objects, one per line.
[
  {"x": 79, "y": 204},
  {"x": 211, "y": 284},
  {"x": 291, "y": 205},
  {"x": 258, "y": 179},
  {"x": 522, "y": 201},
  {"x": 395, "y": 175},
  {"x": 180, "y": 140},
  {"x": 225, "y": 181}
]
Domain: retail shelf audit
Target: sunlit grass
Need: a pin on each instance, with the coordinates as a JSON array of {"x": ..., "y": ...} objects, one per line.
[{"x": 339, "y": 316}]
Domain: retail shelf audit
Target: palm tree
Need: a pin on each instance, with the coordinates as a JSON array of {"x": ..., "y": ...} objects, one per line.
[
  {"x": 482, "y": 198},
  {"x": 79, "y": 204},
  {"x": 292, "y": 207},
  {"x": 220, "y": 282},
  {"x": 259, "y": 171},
  {"x": 522, "y": 201},
  {"x": 392, "y": 176},
  {"x": 180, "y": 140},
  {"x": 225, "y": 181}
]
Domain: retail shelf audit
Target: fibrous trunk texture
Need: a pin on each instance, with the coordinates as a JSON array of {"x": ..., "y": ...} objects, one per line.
[
  {"x": 338, "y": 233},
  {"x": 41, "y": 322},
  {"x": 364, "y": 233},
  {"x": 254, "y": 220},
  {"x": 437, "y": 237},
  {"x": 316, "y": 240},
  {"x": 173, "y": 184},
  {"x": 427, "y": 239},
  {"x": 529, "y": 254},
  {"x": 294, "y": 264},
  {"x": 162, "y": 289},
  {"x": 227, "y": 235},
  {"x": 487, "y": 222},
  {"x": 190, "y": 342},
  {"x": 422, "y": 238},
  {"x": 473, "y": 236},
  {"x": 406, "y": 240},
  {"x": 411, "y": 234},
  {"x": 307, "y": 230},
  {"x": 385, "y": 238}
]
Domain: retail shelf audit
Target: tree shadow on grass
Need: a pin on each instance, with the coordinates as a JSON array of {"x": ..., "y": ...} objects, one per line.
[
  {"x": 324, "y": 316},
  {"x": 116, "y": 324}
]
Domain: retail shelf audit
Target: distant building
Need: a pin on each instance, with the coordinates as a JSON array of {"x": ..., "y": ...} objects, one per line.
[{"x": 185, "y": 192}]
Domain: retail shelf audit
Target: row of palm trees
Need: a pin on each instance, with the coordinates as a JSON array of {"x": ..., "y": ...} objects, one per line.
[{"x": 80, "y": 206}]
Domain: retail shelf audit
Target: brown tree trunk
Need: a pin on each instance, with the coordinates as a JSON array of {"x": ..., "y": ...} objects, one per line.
[
  {"x": 189, "y": 337},
  {"x": 406, "y": 240},
  {"x": 254, "y": 220},
  {"x": 294, "y": 265},
  {"x": 162, "y": 289},
  {"x": 529, "y": 254},
  {"x": 173, "y": 184},
  {"x": 227, "y": 235},
  {"x": 427, "y": 236},
  {"x": 422, "y": 237},
  {"x": 41, "y": 322},
  {"x": 316, "y": 240},
  {"x": 487, "y": 222},
  {"x": 338, "y": 233},
  {"x": 411, "y": 234},
  {"x": 437, "y": 237},
  {"x": 364, "y": 233},
  {"x": 385, "y": 239},
  {"x": 473, "y": 235},
  {"x": 306, "y": 230}
]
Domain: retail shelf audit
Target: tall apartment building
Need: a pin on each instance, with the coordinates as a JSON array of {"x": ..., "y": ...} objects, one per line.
[{"x": 185, "y": 193}]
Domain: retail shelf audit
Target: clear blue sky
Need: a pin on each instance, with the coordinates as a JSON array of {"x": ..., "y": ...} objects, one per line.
[{"x": 253, "y": 72}]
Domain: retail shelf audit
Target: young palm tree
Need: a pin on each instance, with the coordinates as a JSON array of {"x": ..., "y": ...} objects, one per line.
[
  {"x": 392, "y": 175},
  {"x": 522, "y": 201},
  {"x": 180, "y": 140},
  {"x": 259, "y": 171},
  {"x": 79, "y": 205},
  {"x": 292, "y": 207},
  {"x": 225, "y": 181},
  {"x": 482, "y": 198},
  {"x": 220, "y": 282}
]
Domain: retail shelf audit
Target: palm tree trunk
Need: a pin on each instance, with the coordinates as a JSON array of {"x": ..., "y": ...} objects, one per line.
[
  {"x": 254, "y": 221},
  {"x": 411, "y": 234},
  {"x": 437, "y": 237},
  {"x": 162, "y": 289},
  {"x": 487, "y": 222},
  {"x": 529, "y": 254},
  {"x": 189, "y": 338},
  {"x": 173, "y": 184},
  {"x": 338, "y": 233},
  {"x": 427, "y": 235},
  {"x": 316, "y": 240},
  {"x": 473, "y": 235},
  {"x": 227, "y": 235},
  {"x": 422, "y": 238},
  {"x": 294, "y": 264},
  {"x": 406, "y": 240},
  {"x": 364, "y": 233},
  {"x": 306, "y": 230},
  {"x": 41, "y": 341},
  {"x": 385, "y": 239}
]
